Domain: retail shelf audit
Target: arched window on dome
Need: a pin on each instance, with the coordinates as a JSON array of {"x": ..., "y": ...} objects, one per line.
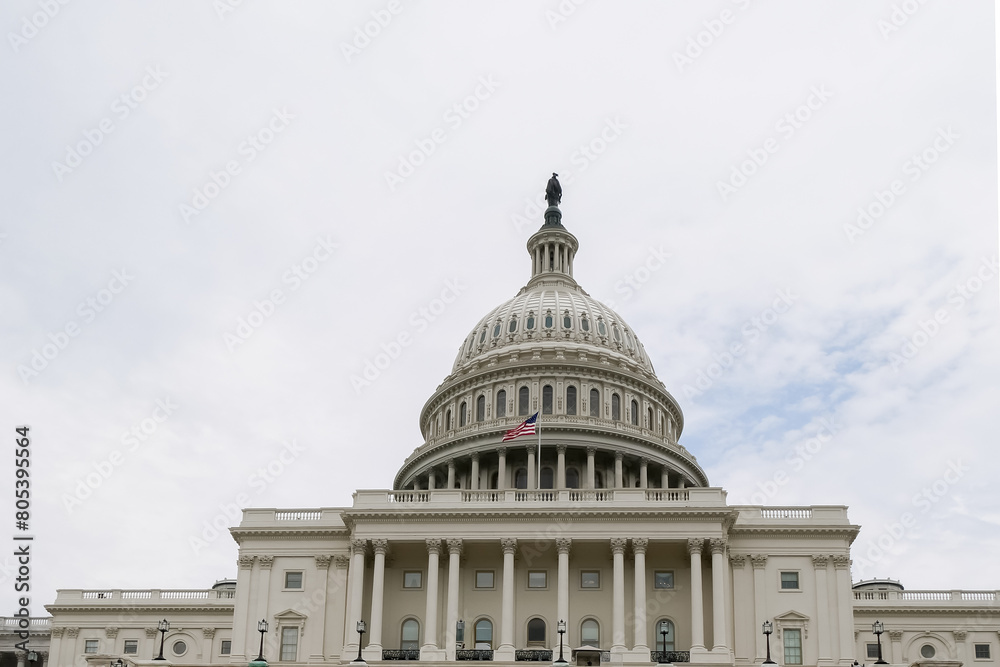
[
  {"x": 536, "y": 631},
  {"x": 547, "y": 399},
  {"x": 461, "y": 414},
  {"x": 481, "y": 408},
  {"x": 590, "y": 633},
  {"x": 447, "y": 420},
  {"x": 529, "y": 323},
  {"x": 595, "y": 403},
  {"x": 409, "y": 636},
  {"x": 616, "y": 333},
  {"x": 585, "y": 323},
  {"x": 669, "y": 644},
  {"x": 572, "y": 478},
  {"x": 497, "y": 329},
  {"x": 512, "y": 326},
  {"x": 521, "y": 478},
  {"x": 482, "y": 336},
  {"x": 649, "y": 418},
  {"x": 484, "y": 633},
  {"x": 522, "y": 401},
  {"x": 549, "y": 321},
  {"x": 567, "y": 320},
  {"x": 546, "y": 481},
  {"x": 616, "y": 407},
  {"x": 501, "y": 404},
  {"x": 635, "y": 413},
  {"x": 571, "y": 400},
  {"x": 601, "y": 327}
]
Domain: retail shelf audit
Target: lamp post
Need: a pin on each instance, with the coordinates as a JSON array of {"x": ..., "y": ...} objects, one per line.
[
  {"x": 162, "y": 626},
  {"x": 664, "y": 631},
  {"x": 262, "y": 629},
  {"x": 361, "y": 631},
  {"x": 33, "y": 656},
  {"x": 561, "y": 626},
  {"x": 767, "y": 629},
  {"x": 878, "y": 629},
  {"x": 459, "y": 634},
  {"x": 116, "y": 663}
]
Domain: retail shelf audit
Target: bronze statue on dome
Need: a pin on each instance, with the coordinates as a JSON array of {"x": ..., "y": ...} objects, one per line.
[{"x": 553, "y": 191}]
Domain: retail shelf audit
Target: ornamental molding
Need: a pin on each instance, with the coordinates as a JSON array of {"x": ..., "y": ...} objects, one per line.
[
  {"x": 759, "y": 561},
  {"x": 208, "y": 633},
  {"x": 265, "y": 562},
  {"x": 111, "y": 631},
  {"x": 240, "y": 535},
  {"x": 680, "y": 514},
  {"x": 245, "y": 562},
  {"x": 618, "y": 545},
  {"x": 323, "y": 561}
]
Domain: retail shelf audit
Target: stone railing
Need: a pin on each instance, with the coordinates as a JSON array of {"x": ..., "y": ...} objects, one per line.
[
  {"x": 670, "y": 656},
  {"x": 533, "y": 655},
  {"x": 401, "y": 654},
  {"x": 695, "y": 497},
  {"x": 474, "y": 654},
  {"x": 926, "y": 597},
  {"x": 211, "y": 596},
  {"x": 35, "y": 624}
]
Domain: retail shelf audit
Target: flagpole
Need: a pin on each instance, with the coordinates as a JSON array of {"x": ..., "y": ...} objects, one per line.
[{"x": 539, "y": 466}]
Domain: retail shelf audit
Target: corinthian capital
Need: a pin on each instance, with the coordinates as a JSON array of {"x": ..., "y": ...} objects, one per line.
[
  {"x": 717, "y": 545},
  {"x": 508, "y": 545},
  {"x": 433, "y": 545},
  {"x": 359, "y": 546},
  {"x": 759, "y": 561},
  {"x": 639, "y": 545},
  {"x": 695, "y": 545},
  {"x": 455, "y": 546},
  {"x": 380, "y": 546},
  {"x": 265, "y": 562},
  {"x": 618, "y": 545},
  {"x": 245, "y": 562},
  {"x": 323, "y": 561},
  {"x": 563, "y": 545}
]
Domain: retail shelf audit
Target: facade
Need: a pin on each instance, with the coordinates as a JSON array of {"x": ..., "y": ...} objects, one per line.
[{"x": 481, "y": 547}]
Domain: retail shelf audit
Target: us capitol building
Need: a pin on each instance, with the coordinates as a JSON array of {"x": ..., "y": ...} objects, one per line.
[{"x": 482, "y": 547}]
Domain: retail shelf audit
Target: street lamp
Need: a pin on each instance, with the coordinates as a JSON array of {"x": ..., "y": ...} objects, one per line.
[
  {"x": 878, "y": 629},
  {"x": 561, "y": 627},
  {"x": 116, "y": 663},
  {"x": 459, "y": 634},
  {"x": 664, "y": 631},
  {"x": 361, "y": 631},
  {"x": 767, "y": 629},
  {"x": 33, "y": 656},
  {"x": 162, "y": 626}
]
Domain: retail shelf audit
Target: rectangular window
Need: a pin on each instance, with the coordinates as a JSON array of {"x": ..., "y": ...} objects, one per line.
[
  {"x": 131, "y": 647},
  {"x": 484, "y": 579},
  {"x": 293, "y": 580},
  {"x": 663, "y": 579},
  {"x": 227, "y": 647},
  {"x": 90, "y": 646},
  {"x": 289, "y": 643},
  {"x": 793, "y": 646},
  {"x": 537, "y": 579},
  {"x": 590, "y": 579},
  {"x": 789, "y": 581},
  {"x": 982, "y": 651},
  {"x": 413, "y": 579},
  {"x": 873, "y": 651}
]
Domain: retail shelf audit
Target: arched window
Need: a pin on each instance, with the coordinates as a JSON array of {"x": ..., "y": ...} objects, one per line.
[
  {"x": 501, "y": 403},
  {"x": 520, "y": 478},
  {"x": 616, "y": 407},
  {"x": 649, "y": 418},
  {"x": 522, "y": 401},
  {"x": 547, "y": 399},
  {"x": 480, "y": 408},
  {"x": 590, "y": 633},
  {"x": 461, "y": 414},
  {"x": 658, "y": 629},
  {"x": 572, "y": 478},
  {"x": 512, "y": 327},
  {"x": 536, "y": 631},
  {"x": 567, "y": 320},
  {"x": 410, "y": 635},
  {"x": 546, "y": 481},
  {"x": 635, "y": 413},
  {"x": 571, "y": 400},
  {"x": 598, "y": 480},
  {"x": 484, "y": 633},
  {"x": 497, "y": 328},
  {"x": 595, "y": 403},
  {"x": 447, "y": 420}
]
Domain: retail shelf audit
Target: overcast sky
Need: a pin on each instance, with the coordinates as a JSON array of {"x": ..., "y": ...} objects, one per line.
[{"x": 215, "y": 215}]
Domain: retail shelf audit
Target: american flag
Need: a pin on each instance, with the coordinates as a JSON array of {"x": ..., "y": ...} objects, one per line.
[{"x": 527, "y": 427}]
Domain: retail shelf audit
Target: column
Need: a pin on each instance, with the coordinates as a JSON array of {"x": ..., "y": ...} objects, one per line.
[
  {"x": 451, "y": 473},
  {"x": 759, "y": 562},
  {"x": 845, "y": 607},
  {"x": 718, "y": 546},
  {"x": 241, "y": 613},
  {"x": 562, "y": 595},
  {"x": 506, "y": 649},
  {"x": 639, "y": 545},
  {"x": 22, "y": 658},
  {"x": 474, "y": 480},
  {"x": 619, "y": 483},
  {"x": 591, "y": 451},
  {"x": 822, "y": 609},
  {"x": 644, "y": 473},
  {"x": 697, "y": 609},
  {"x": 451, "y": 616},
  {"x": 531, "y": 467},
  {"x": 356, "y": 574},
  {"x": 431, "y": 481},
  {"x": 380, "y": 547},
  {"x": 323, "y": 569},
  {"x": 501, "y": 468},
  {"x": 743, "y": 624},
  {"x": 664, "y": 478},
  {"x": 561, "y": 467},
  {"x": 431, "y": 610},
  {"x": 618, "y": 595}
]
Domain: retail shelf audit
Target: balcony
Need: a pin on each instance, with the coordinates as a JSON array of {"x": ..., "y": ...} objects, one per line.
[
  {"x": 210, "y": 598},
  {"x": 533, "y": 655},
  {"x": 877, "y": 598},
  {"x": 568, "y": 498},
  {"x": 670, "y": 656},
  {"x": 474, "y": 654}
]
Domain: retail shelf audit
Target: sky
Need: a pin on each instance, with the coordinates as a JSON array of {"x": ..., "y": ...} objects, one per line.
[{"x": 218, "y": 215}]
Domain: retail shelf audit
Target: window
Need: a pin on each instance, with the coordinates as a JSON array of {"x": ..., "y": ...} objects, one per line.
[
  {"x": 447, "y": 420},
  {"x": 584, "y": 322},
  {"x": 482, "y": 336},
  {"x": 497, "y": 329},
  {"x": 567, "y": 320},
  {"x": 927, "y": 651},
  {"x": 649, "y": 418},
  {"x": 461, "y": 414},
  {"x": 484, "y": 578},
  {"x": 590, "y": 633},
  {"x": 413, "y": 579},
  {"x": 227, "y": 647},
  {"x": 536, "y": 631},
  {"x": 547, "y": 400},
  {"x": 616, "y": 407},
  {"x": 546, "y": 480},
  {"x": 132, "y": 647},
  {"x": 595, "y": 403},
  {"x": 289, "y": 644},
  {"x": 480, "y": 408},
  {"x": 982, "y": 651},
  {"x": 789, "y": 581},
  {"x": 179, "y": 648},
  {"x": 635, "y": 413},
  {"x": 662, "y": 645},
  {"x": 872, "y": 650},
  {"x": 293, "y": 580},
  {"x": 512, "y": 327},
  {"x": 522, "y": 401},
  {"x": 501, "y": 403},
  {"x": 590, "y": 579},
  {"x": 598, "y": 480},
  {"x": 90, "y": 646},
  {"x": 549, "y": 321},
  {"x": 616, "y": 334},
  {"x": 572, "y": 478},
  {"x": 571, "y": 400},
  {"x": 663, "y": 579},
  {"x": 529, "y": 323},
  {"x": 484, "y": 633},
  {"x": 793, "y": 646},
  {"x": 520, "y": 478},
  {"x": 410, "y": 636},
  {"x": 538, "y": 579},
  {"x": 601, "y": 328}
]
